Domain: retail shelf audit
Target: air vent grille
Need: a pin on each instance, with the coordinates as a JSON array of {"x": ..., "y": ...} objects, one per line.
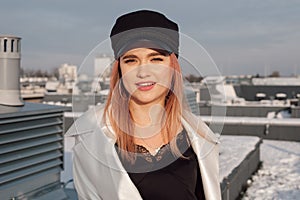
[{"x": 31, "y": 153}]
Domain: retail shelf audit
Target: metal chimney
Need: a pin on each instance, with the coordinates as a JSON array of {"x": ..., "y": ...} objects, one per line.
[{"x": 10, "y": 56}]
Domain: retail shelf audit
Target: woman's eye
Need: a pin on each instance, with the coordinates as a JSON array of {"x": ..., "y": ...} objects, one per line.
[
  {"x": 129, "y": 61},
  {"x": 157, "y": 59}
]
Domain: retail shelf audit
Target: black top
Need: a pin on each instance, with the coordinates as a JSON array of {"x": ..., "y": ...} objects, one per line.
[{"x": 165, "y": 176}]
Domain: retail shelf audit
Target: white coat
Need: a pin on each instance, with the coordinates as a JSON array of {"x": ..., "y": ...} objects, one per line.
[{"x": 99, "y": 174}]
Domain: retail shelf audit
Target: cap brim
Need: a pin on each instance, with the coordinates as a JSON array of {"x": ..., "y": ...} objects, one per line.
[{"x": 143, "y": 43}]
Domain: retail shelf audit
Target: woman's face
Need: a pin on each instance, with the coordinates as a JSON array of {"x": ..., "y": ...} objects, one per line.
[{"x": 146, "y": 74}]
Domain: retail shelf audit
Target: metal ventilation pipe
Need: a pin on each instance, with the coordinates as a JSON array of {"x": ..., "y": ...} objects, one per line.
[{"x": 10, "y": 57}]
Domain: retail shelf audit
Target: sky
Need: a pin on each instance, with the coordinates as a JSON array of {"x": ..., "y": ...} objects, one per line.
[{"x": 242, "y": 37}]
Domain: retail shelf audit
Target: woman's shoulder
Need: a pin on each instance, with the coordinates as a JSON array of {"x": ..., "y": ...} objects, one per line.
[
  {"x": 87, "y": 122},
  {"x": 196, "y": 128}
]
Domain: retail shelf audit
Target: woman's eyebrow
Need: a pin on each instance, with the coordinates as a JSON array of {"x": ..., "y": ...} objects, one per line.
[
  {"x": 156, "y": 54},
  {"x": 129, "y": 56}
]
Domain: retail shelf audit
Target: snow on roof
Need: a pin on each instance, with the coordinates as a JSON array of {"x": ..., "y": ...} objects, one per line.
[
  {"x": 279, "y": 176},
  {"x": 233, "y": 150}
]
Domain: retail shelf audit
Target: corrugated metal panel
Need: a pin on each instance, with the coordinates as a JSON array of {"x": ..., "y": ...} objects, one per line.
[
  {"x": 29, "y": 125},
  {"x": 28, "y": 118},
  {"x": 31, "y": 148}
]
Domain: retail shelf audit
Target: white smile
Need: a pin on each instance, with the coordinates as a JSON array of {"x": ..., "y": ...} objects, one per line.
[{"x": 145, "y": 84}]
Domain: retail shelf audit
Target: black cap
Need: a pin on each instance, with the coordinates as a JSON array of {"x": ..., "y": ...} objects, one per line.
[{"x": 144, "y": 28}]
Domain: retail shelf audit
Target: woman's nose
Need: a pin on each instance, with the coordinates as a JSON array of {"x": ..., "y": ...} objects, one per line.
[{"x": 142, "y": 71}]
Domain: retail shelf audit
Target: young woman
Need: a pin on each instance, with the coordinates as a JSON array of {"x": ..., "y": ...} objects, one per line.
[{"x": 145, "y": 143}]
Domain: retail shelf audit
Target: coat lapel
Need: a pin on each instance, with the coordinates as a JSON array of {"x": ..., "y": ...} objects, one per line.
[{"x": 207, "y": 152}]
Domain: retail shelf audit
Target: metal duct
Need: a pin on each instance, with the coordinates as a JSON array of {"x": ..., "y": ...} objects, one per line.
[{"x": 10, "y": 56}]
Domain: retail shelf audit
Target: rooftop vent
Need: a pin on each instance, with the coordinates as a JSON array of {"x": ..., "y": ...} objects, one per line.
[
  {"x": 31, "y": 152},
  {"x": 10, "y": 56}
]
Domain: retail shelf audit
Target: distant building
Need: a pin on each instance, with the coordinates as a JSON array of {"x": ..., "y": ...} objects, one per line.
[
  {"x": 66, "y": 83},
  {"x": 68, "y": 72},
  {"x": 102, "y": 70},
  {"x": 280, "y": 81},
  {"x": 102, "y": 66}
]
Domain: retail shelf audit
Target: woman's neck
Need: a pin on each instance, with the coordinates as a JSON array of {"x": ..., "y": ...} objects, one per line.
[
  {"x": 147, "y": 115},
  {"x": 149, "y": 121}
]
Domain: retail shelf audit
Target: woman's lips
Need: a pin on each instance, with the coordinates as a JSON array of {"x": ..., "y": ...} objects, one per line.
[{"x": 145, "y": 86}]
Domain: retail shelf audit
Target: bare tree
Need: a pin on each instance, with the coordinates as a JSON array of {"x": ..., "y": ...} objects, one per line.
[
  {"x": 275, "y": 74},
  {"x": 191, "y": 78}
]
